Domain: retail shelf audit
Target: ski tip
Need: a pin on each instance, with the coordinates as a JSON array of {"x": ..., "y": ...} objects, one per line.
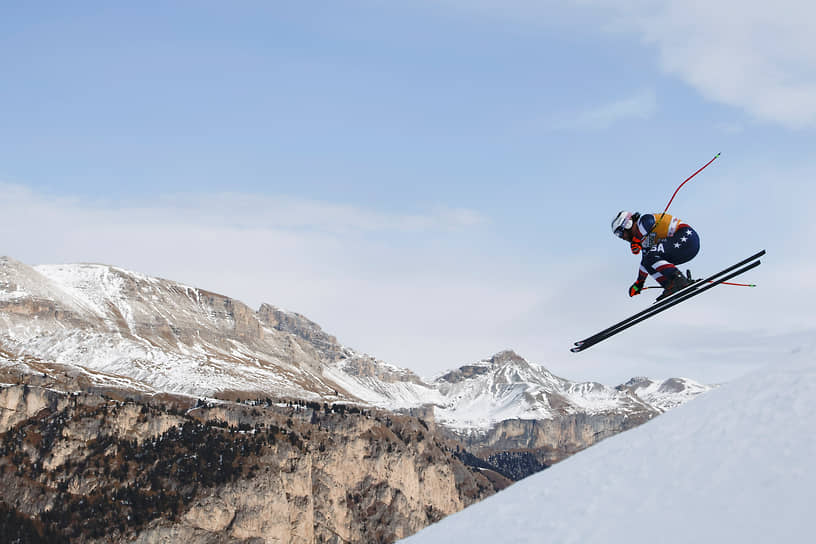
[{"x": 576, "y": 349}]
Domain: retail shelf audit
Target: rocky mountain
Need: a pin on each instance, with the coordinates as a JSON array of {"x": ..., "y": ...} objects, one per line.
[
  {"x": 506, "y": 404},
  {"x": 89, "y": 467},
  {"x": 664, "y": 395},
  {"x": 125, "y": 329},
  {"x": 94, "y": 333},
  {"x": 480, "y": 395},
  {"x": 118, "y": 328}
]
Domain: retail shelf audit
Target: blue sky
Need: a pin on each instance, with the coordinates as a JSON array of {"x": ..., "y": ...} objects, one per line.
[{"x": 430, "y": 181}]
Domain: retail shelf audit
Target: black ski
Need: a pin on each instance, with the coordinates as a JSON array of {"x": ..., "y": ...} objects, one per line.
[
  {"x": 674, "y": 296},
  {"x": 692, "y": 290}
]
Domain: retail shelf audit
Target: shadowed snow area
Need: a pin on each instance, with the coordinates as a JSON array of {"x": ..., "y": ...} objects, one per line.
[{"x": 734, "y": 465}]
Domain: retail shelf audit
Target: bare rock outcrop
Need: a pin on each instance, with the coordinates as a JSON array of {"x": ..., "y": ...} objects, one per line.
[{"x": 94, "y": 469}]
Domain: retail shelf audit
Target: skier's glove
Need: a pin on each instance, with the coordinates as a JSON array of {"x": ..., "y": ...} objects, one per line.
[
  {"x": 635, "y": 245},
  {"x": 636, "y": 288}
]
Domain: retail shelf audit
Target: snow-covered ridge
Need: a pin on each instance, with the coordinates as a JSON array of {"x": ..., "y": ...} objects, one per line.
[
  {"x": 509, "y": 387},
  {"x": 733, "y": 466},
  {"x": 118, "y": 326},
  {"x": 667, "y": 394}
]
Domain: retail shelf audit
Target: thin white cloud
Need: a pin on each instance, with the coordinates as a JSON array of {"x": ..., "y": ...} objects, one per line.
[
  {"x": 399, "y": 286},
  {"x": 752, "y": 54},
  {"x": 276, "y": 212},
  {"x": 639, "y": 106}
]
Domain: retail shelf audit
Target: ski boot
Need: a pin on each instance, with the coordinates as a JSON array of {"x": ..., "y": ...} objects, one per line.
[{"x": 674, "y": 284}]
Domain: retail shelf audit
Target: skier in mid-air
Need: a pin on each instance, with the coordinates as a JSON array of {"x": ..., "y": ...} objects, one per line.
[{"x": 665, "y": 241}]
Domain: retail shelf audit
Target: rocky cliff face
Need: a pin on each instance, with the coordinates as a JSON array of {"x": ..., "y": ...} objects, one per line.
[
  {"x": 549, "y": 440},
  {"x": 93, "y": 469}
]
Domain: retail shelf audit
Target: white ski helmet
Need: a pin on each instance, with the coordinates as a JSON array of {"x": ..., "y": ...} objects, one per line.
[{"x": 623, "y": 221}]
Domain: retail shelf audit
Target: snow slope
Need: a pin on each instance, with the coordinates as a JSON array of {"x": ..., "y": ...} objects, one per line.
[{"x": 735, "y": 465}]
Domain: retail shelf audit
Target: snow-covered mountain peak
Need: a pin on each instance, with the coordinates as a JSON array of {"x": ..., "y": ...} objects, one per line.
[
  {"x": 112, "y": 324},
  {"x": 506, "y": 367},
  {"x": 508, "y": 357},
  {"x": 107, "y": 290},
  {"x": 507, "y": 386},
  {"x": 664, "y": 395},
  {"x": 20, "y": 281}
]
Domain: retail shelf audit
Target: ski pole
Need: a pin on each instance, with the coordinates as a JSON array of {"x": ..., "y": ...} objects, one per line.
[
  {"x": 686, "y": 180},
  {"x": 703, "y": 167}
]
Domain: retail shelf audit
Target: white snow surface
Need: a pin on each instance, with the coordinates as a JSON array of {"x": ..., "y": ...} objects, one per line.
[{"x": 735, "y": 465}]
